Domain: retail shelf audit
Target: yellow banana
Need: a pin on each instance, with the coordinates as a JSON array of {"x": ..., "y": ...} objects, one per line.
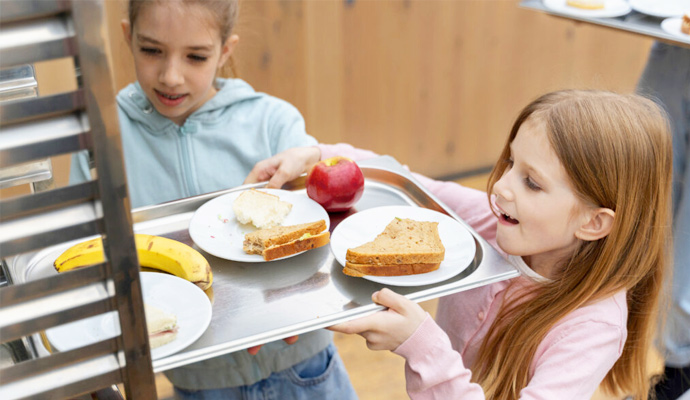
[{"x": 155, "y": 252}]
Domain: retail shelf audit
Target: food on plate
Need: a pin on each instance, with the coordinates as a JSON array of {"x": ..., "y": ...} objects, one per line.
[
  {"x": 281, "y": 241},
  {"x": 685, "y": 25},
  {"x": 162, "y": 326},
  {"x": 261, "y": 209},
  {"x": 336, "y": 183},
  {"x": 155, "y": 252},
  {"x": 405, "y": 247},
  {"x": 586, "y": 4}
]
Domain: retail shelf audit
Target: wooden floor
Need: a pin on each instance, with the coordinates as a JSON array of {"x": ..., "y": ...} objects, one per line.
[{"x": 379, "y": 375}]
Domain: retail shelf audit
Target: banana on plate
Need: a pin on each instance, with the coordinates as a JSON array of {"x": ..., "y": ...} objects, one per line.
[{"x": 155, "y": 252}]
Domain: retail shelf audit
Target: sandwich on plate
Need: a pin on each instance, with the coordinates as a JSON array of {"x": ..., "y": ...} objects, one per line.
[
  {"x": 261, "y": 209},
  {"x": 405, "y": 247},
  {"x": 162, "y": 326},
  {"x": 282, "y": 241}
]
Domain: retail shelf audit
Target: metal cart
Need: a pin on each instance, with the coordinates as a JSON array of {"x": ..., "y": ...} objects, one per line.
[{"x": 34, "y": 128}]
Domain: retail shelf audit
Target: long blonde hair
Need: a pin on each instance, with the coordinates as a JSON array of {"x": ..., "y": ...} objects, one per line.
[{"x": 616, "y": 150}]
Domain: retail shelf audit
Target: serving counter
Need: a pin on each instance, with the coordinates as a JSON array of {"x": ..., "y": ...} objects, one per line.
[{"x": 633, "y": 22}]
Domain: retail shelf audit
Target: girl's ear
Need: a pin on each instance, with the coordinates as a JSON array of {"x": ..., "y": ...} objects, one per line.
[
  {"x": 597, "y": 226},
  {"x": 227, "y": 49},
  {"x": 127, "y": 32}
]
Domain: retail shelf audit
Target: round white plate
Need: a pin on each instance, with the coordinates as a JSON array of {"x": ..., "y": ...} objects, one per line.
[
  {"x": 672, "y": 26},
  {"x": 364, "y": 226},
  {"x": 167, "y": 292},
  {"x": 215, "y": 228},
  {"x": 661, "y": 8},
  {"x": 612, "y": 8}
]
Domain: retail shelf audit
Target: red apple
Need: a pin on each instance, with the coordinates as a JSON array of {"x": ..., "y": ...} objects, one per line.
[{"x": 336, "y": 183}]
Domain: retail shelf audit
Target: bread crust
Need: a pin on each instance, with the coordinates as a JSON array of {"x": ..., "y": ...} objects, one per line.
[
  {"x": 685, "y": 25},
  {"x": 359, "y": 270},
  {"x": 296, "y": 246},
  {"x": 257, "y": 241}
]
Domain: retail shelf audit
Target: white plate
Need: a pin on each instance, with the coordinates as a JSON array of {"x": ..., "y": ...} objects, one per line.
[
  {"x": 672, "y": 26},
  {"x": 167, "y": 292},
  {"x": 661, "y": 8},
  {"x": 612, "y": 8},
  {"x": 364, "y": 226},
  {"x": 215, "y": 229}
]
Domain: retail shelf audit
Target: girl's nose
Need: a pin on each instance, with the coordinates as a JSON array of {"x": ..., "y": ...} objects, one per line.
[
  {"x": 171, "y": 75},
  {"x": 502, "y": 188}
]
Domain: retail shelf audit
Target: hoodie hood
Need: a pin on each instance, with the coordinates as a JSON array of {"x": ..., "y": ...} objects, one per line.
[{"x": 133, "y": 102}]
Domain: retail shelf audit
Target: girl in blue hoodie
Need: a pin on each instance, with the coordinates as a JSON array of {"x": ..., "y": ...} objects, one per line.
[{"x": 186, "y": 132}]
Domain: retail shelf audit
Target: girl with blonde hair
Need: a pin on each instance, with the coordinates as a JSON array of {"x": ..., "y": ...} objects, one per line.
[{"x": 579, "y": 202}]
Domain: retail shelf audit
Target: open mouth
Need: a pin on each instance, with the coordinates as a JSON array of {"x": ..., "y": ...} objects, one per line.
[
  {"x": 170, "y": 99},
  {"x": 507, "y": 218}
]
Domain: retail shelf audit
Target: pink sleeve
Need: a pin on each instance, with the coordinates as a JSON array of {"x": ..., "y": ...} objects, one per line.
[
  {"x": 344, "y": 150},
  {"x": 470, "y": 204},
  {"x": 433, "y": 369},
  {"x": 570, "y": 363}
]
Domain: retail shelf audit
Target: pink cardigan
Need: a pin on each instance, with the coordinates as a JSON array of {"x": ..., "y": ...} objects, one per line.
[{"x": 570, "y": 362}]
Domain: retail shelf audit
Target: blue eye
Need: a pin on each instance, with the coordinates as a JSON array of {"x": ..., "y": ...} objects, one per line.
[{"x": 531, "y": 185}]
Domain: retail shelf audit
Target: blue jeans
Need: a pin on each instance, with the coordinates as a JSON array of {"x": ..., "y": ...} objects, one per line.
[
  {"x": 320, "y": 377},
  {"x": 667, "y": 77}
]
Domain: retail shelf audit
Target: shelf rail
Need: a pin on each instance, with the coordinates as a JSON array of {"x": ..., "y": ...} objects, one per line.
[{"x": 40, "y": 127}]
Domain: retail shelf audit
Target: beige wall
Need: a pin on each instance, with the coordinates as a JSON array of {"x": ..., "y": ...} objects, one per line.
[{"x": 436, "y": 84}]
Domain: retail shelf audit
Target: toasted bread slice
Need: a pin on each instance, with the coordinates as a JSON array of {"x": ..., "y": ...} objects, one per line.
[
  {"x": 261, "y": 209},
  {"x": 403, "y": 241},
  {"x": 282, "y": 241},
  {"x": 296, "y": 246},
  {"x": 388, "y": 269}
]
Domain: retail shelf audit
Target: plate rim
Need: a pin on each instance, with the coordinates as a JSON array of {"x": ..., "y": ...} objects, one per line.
[
  {"x": 164, "y": 350},
  {"x": 635, "y": 4},
  {"x": 562, "y": 7},
  {"x": 395, "y": 280},
  {"x": 252, "y": 258},
  {"x": 677, "y": 33}
]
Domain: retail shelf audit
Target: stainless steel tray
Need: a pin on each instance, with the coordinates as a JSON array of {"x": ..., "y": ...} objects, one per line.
[
  {"x": 633, "y": 22},
  {"x": 259, "y": 303}
]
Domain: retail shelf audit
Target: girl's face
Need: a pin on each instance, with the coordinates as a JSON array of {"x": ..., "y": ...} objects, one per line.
[
  {"x": 177, "y": 51},
  {"x": 540, "y": 213}
]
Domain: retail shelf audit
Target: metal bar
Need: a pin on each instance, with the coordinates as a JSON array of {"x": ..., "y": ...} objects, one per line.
[
  {"x": 26, "y": 237},
  {"x": 13, "y": 112},
  {"x": 15, "y": 294},
  {"x": 14, "y": 10},
  {"x": 42, "y": 202},
  {"x": 67, "y": 382},
  {"x": 34, "y": 325},
  {"x": 44, "y": 138},
  {"x": 37, "y": 40},
  {"x": 60, "y": 359},
  {"x": 139, "y": 380}
]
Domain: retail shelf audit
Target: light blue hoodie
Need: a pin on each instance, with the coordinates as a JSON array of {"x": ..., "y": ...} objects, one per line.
[{"x": 215, "y": 149}]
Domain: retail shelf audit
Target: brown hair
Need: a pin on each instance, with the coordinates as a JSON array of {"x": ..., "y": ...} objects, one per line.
[
  {"x": 224, "y": 11},
  {"x": 616, "y": 150}
]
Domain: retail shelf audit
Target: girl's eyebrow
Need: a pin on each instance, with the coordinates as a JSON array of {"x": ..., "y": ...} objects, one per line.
[
  {"x": 530, "y": 168},
  {"x": 146, "y": 39}
]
